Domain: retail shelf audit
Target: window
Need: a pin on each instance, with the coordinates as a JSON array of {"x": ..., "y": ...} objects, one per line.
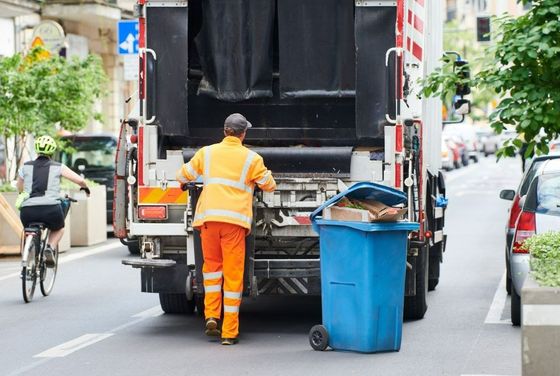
[
  {"x": 548, "y": 194},
  {"x": 92, "y": 153}
]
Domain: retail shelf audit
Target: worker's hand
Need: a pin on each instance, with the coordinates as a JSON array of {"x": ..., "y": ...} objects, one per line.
[{"x": 86, "y": 190}]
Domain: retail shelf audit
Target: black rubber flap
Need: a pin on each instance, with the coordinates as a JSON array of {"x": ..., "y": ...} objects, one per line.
[
  {"x": 375, "y": 93},
  {"x": 325, "y": 160},
  {"x": 167, "y": 30},
  {"x": 235, "y": 49},
  {"x": 317, "y": 56}
]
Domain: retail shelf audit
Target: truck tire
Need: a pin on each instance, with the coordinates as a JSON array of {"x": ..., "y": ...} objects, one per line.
[
  {"x": 199, "y": 303},
  {"x": 434, "y": 273},
  {"x": 515, "y": 308},
  {"x": 415, "y": 307},
  {"x": 176, "y": 303},
  {"x": 134, "y": 248}
]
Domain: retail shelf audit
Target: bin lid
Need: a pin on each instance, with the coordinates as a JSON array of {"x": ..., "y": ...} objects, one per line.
[{"x": 365, "y": 191}]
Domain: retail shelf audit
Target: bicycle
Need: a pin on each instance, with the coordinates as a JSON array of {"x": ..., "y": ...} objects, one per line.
[{"x": 33, "y": 257}]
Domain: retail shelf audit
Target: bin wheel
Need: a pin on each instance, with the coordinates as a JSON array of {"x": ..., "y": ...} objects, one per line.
[{"x": 319, "y": 338}]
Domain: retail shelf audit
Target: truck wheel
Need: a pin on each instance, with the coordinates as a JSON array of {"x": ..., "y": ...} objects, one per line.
[
  {"x": 435, "y": 258},
  {"x": 434, "y": 273},
  {"x": 515, "y": 308},
  {"x": 176, "y": 303},
  {"x": 415, "y": 307},
  {"x": 199, "y": 302},
  {"x": 134, "y": 248},
  {"x": 319, "y": 338}
]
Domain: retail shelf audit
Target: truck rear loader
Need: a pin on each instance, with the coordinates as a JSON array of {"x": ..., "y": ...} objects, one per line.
[{"x": 332, "y": 90}]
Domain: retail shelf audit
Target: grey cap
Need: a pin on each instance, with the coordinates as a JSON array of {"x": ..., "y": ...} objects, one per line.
[{"x": 237, "y": 122}]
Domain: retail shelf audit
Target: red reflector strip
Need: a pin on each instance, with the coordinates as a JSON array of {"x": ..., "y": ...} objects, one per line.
[
  {"x": 152, "y": 212},
  {"x": 398, "y": 175},
  {"x": 398, "y": 138},
  {"x": 302, "y": 219}
]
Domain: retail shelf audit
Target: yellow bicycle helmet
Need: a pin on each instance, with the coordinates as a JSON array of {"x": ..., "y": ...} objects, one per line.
[{"x": 45, "y": 145}]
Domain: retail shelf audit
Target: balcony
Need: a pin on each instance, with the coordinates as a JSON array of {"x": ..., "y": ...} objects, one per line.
[
  {"x": 15, "y": 8},
  {"x": 100, "y": 13}
]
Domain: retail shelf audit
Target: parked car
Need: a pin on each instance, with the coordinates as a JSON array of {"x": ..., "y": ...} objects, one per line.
[
  {"x": 446, "y": 157},
  {"x": 509, "y": 194},
  {"x": 463, "y": 151},
  {"x": 93, "y": 156},
  {"x": 467, "y": 136},
  {"x": 455, "y": 151},
  {"x": 487, "y": 140},
  {"x": 536, "y": 209}
]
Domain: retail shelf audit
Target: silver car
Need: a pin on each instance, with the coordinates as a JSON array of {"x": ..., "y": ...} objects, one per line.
[{"x": 540, "y": 212}]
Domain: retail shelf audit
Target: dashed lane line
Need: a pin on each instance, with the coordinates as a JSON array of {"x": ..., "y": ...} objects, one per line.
[
  {"x": 83, "y": 341},
  {"x": 494, "y": 315},
  {"x": 76, "y": 256},
  {"x": 74, "y": 345}
]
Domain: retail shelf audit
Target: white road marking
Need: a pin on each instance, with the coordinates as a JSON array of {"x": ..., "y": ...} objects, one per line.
[
  {"x": 494, "y": 315},
  {"x": 150, "y": 312},
  {"x": 75, "y": 256},
  {"x": 73, "y": 345}
]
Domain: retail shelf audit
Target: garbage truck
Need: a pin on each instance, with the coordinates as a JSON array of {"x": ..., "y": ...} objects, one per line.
[{"x": 332, "y": 90}]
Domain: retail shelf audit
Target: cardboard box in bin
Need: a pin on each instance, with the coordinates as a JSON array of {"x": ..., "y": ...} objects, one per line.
[{"x": 363, "y": 211}]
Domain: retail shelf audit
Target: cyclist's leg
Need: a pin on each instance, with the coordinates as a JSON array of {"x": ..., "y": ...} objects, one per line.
[{"x": 54, "y": 220}]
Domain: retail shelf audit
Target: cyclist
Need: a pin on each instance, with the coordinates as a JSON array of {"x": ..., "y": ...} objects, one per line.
[{"x": 40, "y": 180}]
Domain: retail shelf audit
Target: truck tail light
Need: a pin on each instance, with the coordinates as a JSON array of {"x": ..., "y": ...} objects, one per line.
[
  {"x": 152, "y": 212},
  {"x": 526, "y": 227}
]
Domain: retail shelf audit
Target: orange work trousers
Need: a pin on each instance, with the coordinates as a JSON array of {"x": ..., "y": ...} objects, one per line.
[{"x": 223, "y": 249}]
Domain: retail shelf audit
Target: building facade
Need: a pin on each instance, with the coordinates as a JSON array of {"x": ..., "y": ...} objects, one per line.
[{"x": 90, "y": 26}]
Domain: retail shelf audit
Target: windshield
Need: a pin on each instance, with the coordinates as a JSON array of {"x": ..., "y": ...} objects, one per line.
[
  {"x": 92, "y": 153},
  {"x": 548, "y": 194}
]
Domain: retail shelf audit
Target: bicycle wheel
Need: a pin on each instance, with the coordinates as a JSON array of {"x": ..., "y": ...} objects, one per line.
[
  {"x": 29, "y": 270},
  {"x": 47, "y": 274}
]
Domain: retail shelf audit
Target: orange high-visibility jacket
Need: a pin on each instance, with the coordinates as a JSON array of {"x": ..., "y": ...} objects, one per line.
[{"x": 229, "y": 171}]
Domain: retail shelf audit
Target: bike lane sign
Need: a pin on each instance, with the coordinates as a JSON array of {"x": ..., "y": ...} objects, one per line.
[{"x": 127, "y": 37}]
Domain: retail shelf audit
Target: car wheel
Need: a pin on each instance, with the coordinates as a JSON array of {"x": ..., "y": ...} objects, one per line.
[{"x": 515, "y": 308}]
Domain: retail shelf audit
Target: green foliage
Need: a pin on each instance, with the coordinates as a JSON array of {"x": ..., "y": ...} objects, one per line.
[
  {"x": 545, "y": 258},
  {"x": 41, "y": 95},
  {"x": 521, "y": 67}
]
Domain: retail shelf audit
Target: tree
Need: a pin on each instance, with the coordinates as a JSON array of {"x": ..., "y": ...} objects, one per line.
[
  {"x": 522, "y": 67},
  {"x": 41, "y": 95}
]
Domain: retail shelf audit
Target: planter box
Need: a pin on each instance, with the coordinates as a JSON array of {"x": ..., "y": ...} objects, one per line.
[
  {"x": 11, "y": 241},
  {"x": 540, "y": 329},
  {"x": 89, "y": 217}
]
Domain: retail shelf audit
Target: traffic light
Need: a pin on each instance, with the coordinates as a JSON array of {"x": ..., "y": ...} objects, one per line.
[{"x": 483, "y": 29}]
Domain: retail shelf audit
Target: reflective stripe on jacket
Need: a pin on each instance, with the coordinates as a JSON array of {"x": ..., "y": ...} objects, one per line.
[{"x": 229, "y": 171}]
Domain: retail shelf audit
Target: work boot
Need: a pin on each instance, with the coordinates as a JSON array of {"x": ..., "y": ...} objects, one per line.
[
  {"x": 229, "y": 341},
  {"x": 49, "y": 256},
  {"x": 212, "y": 327}
]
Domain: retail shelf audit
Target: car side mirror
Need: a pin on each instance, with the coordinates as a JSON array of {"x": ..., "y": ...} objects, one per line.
[{"x": 507, "y": 194}]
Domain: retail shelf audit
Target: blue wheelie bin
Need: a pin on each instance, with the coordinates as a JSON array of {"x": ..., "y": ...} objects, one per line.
[{"x": 363, "y": 269}]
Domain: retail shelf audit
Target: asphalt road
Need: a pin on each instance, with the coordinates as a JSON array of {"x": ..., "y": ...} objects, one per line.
[{"x": 97, "y": 322}]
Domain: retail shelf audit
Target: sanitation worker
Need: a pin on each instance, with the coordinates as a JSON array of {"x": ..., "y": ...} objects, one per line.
[{"x": 223, "y": 215}]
